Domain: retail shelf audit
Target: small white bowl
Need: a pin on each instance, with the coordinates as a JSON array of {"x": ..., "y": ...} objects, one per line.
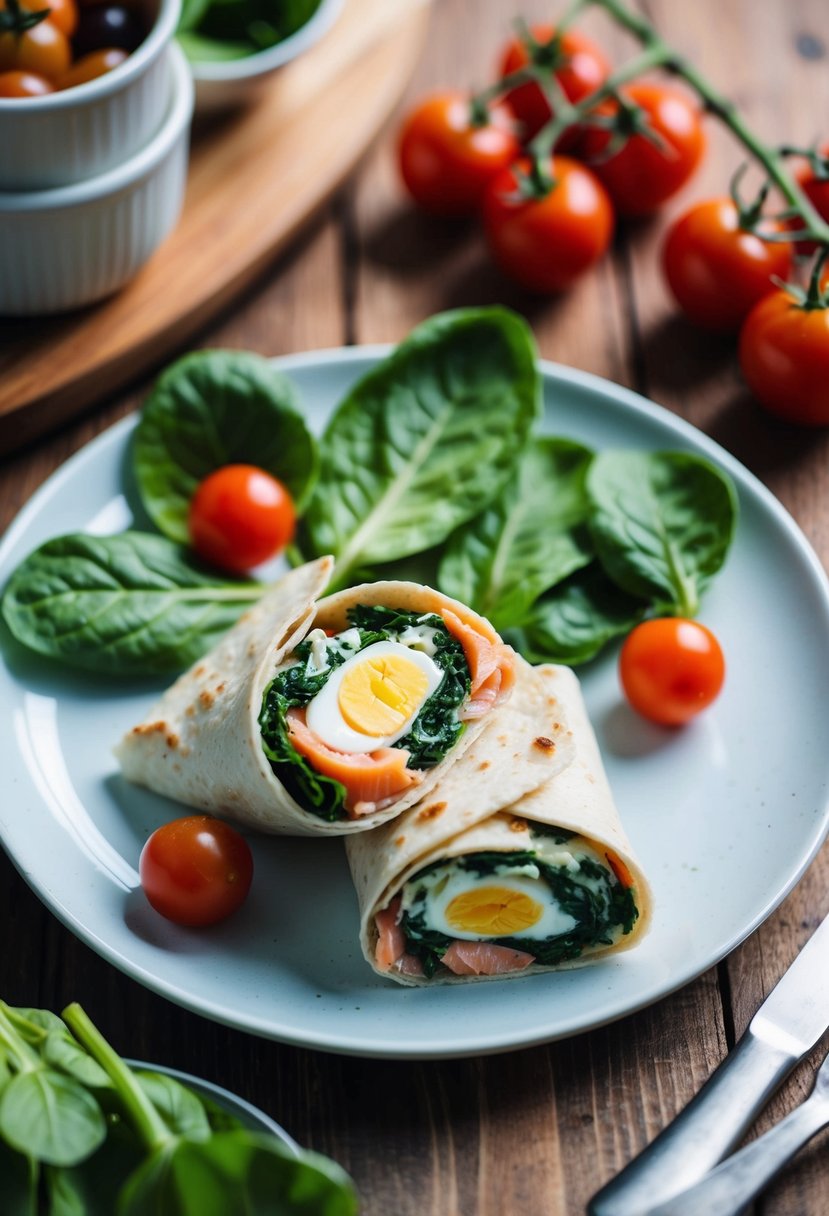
[
  {"x": 66, "y": 137},
  {"x": 63, "y": 248},
  {"x": 230, "y": 82}
]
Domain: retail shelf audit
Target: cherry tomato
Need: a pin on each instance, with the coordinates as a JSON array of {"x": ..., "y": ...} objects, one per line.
[
  {"x": 641, "y": 176},
  {"x": 670, "y": 669},
  {"x": 718, "y": 271},
  {"x": 62, "y": 13},
  {"x": 583, "y": 68},
  {"x": 446, "y": 160},
  {"x": 196, "y": 871},
  {"x": 784, "y": 356},
  {"x": 816, "y": 190},
  {"x": 43, "y": 49},
  {"x": 546, "y": 243},
  {"x": 240, "y": 516},
  {"x": 24, "y": 84},
  {"x": 91, "y": 66},
  {"x": 107, "y": 25}
]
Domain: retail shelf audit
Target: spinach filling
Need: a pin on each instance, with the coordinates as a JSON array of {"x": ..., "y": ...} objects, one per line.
[
  {"x": 598, "y": 914},
  {"x": 435, "y": 730}
]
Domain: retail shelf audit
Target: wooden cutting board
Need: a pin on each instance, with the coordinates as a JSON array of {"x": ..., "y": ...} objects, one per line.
[{"x": 255, "y": 177}]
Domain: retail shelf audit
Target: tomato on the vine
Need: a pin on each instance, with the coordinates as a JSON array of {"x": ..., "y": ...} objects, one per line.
[
  {"x": 448, "y": 153},
  {"x": 196, "y": 871},
  {"x": 784, "y": 356},
  {"x": 43, "y": 49},
  {"x": 717, "y": 270},
  {"x": 579, "y": 65},
  {"x": 816, "y": 189},
  {"x": 546, "y": 242},
  {"x": 240, "y": 516},
  {"x": 642, "y": 175},
  {"x": 671, "y": 668}
]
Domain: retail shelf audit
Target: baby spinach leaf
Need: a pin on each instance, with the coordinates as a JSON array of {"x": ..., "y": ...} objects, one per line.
[
  {"x": 662, "y": 523},
  {"x": 213, "y": 408},
  {"x": 126, "y": 605},
  {"x": 425, "y": 440},
  {"x": 62, "y": 1052},
  {"x": 51, "y": 1116},
  {"x": 91, "y": 1188},
  {"x": 573, "y": 621},
  {"x": 528, "y": 539},
  {"x": 178, "y": 1106},
  {"x": 237, "y": 1172},
  {"x": 18, "y": 1183}
]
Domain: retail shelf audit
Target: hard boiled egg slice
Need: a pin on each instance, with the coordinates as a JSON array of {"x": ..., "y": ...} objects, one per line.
[
  {"x": 372, "y": 700},
  {"x": 474, "y": 907}
]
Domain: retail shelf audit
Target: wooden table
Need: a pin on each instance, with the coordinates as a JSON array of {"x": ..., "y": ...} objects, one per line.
[{"x": 536, "y": 1132}]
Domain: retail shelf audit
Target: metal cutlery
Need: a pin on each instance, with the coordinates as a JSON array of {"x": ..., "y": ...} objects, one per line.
[{"x": 785, "y": 1028}]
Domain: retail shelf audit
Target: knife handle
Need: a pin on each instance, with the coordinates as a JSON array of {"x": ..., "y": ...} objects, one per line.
[{"x": 702, "y": 1134}]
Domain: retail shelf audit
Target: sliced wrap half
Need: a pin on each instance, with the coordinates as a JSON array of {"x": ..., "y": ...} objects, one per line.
[
  {"x": 324, "y": 718},
  {"x": 496, "y": 875}
]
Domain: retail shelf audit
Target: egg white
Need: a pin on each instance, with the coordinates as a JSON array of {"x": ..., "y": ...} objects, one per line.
[
  {"x": 446, "y": 883},
  {"x": 325, "y": 718}
]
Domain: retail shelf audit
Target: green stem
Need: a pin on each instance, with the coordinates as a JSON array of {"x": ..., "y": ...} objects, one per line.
[
  {"x": 145, "y": 1119},
  {"x": 27, "y": 1059}
]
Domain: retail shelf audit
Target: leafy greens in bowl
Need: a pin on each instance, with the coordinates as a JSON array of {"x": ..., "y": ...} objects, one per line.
[{"x": 234, "y": 46}]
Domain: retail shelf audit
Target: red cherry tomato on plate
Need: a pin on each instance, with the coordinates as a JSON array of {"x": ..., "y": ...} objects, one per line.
[
  {"x": 671, "y": 668},
  {"x": 640, "y": 177},
  {"x": 581, "y": 67},
  {"x": 546, "y": 243},
  {"x": 240, "y": 516},
  {"x": 784, "y": 356},
  {"x": 716, "y": 270},
  {"x": 196, "y": 871},
  {"x": 447, "y": 159}
]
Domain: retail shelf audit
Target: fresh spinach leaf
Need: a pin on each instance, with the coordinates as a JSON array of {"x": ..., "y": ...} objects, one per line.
[
  {"x": 662, "y": 523},
  {"x": 236, "y": 1172},
  {"x": 62, "y": 1052},
  {"x": 123, "y": 605},
  {"x": 573, "y": 621},
  {"x": 18, "y": 1182},
  {"x": 51, "y": 1117},
  {"x": 192, "y": 12},
  {"x": 214, "y": 408},
  {"x": 424, "y": 441},
  {"x": 528, "y": 539},
  {"x": 200, "y": 49},
  {"x": 230, "y": 29},
  {"x": 180, "y": 1109}
]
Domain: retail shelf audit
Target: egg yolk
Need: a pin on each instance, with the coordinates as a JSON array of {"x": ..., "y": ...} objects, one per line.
[
  {"x": 378, "y": 696},
  {"x": 491, "y": 911}
]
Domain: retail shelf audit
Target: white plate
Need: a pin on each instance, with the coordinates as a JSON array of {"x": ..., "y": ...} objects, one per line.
[{"x": 725, "y": 814}]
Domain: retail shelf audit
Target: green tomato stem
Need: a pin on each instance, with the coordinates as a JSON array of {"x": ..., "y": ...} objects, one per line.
[
  {"x": 145, "y": 1119},
  {"x": 26, "y": 1057}
]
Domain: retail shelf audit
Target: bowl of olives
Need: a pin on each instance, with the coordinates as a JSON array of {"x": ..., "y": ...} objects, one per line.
[{"x": 84, "y": 84}]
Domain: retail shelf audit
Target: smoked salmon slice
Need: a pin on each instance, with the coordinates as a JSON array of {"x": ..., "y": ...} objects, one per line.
[
  {"x": 369, "y": 777},
  {"x": 391, "y": 940},
  {"x": 484, "y": 958},
  {"x": 491, "y": 663}
]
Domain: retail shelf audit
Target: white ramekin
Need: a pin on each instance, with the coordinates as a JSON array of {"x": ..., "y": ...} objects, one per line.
[
  {"x": 78, "y": 133},
  {"x": 63, "y": 248},
  {"x": 230, "y": 82}
]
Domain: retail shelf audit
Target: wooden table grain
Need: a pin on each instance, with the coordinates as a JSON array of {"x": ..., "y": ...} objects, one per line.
[{"x": 533, "y": 1133}]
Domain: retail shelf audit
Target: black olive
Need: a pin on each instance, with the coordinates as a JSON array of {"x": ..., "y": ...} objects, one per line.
[{"x": 109, "y": 25}]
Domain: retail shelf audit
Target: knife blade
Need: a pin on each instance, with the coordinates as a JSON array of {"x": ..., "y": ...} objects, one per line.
[{"x": 786, "y": 1026}]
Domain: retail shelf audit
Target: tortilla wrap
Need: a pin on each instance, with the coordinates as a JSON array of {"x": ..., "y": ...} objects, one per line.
[
  {"x": 488, "y": 803},
  {"x": 201, "y": 743}
]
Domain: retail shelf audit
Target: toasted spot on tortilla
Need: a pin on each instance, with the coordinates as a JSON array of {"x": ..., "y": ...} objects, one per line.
[
  {"x": 516, "y": 824},
  {"x": 503, "y": 739},
  {"x": 399, "y": 840},
  {"x": 431, "y": 812},
  {"x": 173, "y": 740},
  {"x": 150, "y": 728},
  {"x": 199, "y": 671},
  {"x": 220, "y": 688},
  {"x": 544, "y": 744},
  {"x": 484, "y": 765},
  {"x": 190, "y": 710},
  {"x": 206, "y": 699},
  {"x": 184, "y": 751}
]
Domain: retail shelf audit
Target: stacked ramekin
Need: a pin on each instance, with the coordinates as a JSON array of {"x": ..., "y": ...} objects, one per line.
[{"x": 92, "y": 178}]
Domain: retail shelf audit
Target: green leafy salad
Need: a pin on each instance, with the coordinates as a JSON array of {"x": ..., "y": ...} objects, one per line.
[
  {"x": 213, "y": 30},
  {"x": 550, "y": 902},
  {"x": 432, "y": 469},
  {"x": 83, "y": 1134},
  {"x": 432, "y": 733}
]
